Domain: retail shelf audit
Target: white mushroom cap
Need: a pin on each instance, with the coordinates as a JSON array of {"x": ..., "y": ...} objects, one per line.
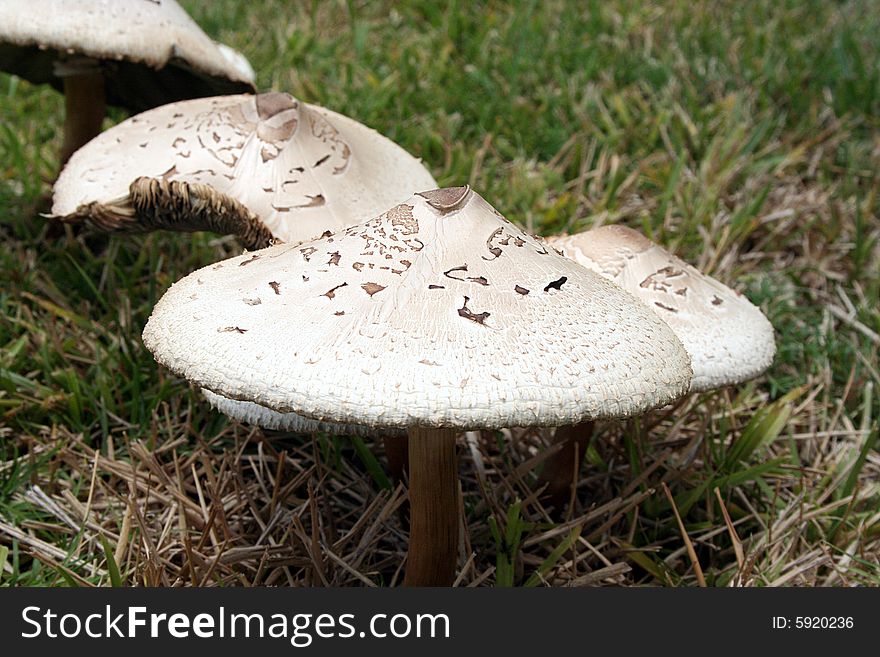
[
  {"x": 301, "y": 169},
  {"x": 152, "y": 51},
  {"x": 251, "y": 413},
  {"x": 729, "y": 339},
  {"x": 437, "y": 313}
]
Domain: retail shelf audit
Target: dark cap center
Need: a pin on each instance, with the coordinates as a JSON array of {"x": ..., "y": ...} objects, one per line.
[
  {"x": 268, "y": 105},
  {"x": 447, "y": 198}
]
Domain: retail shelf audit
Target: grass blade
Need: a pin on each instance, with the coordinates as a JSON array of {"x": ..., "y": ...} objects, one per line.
[{"x": 112, "y": 567}]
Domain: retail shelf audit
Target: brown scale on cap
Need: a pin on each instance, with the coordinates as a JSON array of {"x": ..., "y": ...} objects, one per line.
[
  {"x": 464, "y": 311},
  {"x": 448, "y": 198},
  {"x": 231, "y": 329},
  {"x": 270, "y": 104},
  {"x": 372, "y": 288},
  {"x": 555, "y": 285},
  {"x": 662, "y": 280},
  {"x": 331, "y": 293}
]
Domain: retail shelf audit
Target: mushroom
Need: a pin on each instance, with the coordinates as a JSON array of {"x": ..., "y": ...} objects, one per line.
[
  {"x": 439, "y": 316},
  {"x": 136, "y": 54},
  {"x": 727, "y": 338},
  {"x": 265, "y": 168}
]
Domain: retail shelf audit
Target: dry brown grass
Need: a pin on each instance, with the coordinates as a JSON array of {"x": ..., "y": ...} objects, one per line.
[{"x": 252, "y": 509}]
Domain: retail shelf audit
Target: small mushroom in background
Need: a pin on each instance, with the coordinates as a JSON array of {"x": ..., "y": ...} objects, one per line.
[
  {"x": 728, "y": 339},
  {"x": 265, "y": 168},
  {"x": 436, "y": 317},
  {"x": 135, "y": 54}
]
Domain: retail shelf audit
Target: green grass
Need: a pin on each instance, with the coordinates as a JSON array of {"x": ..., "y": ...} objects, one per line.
[{"x": 742, "y": 136}]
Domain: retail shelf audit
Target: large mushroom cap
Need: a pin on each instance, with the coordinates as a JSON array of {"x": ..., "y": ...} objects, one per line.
[
  {"x": 729, "y": 339},
  {"x": 151, "y": 52},
  {"x": 300, "y": 169},
  {"x": 437, "y": 313}
]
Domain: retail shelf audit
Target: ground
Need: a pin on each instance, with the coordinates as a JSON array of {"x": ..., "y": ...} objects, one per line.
[{"x": 742, "y": 136}]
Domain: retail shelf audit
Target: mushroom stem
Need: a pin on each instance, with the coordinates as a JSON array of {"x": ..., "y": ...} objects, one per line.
[
  {"x": 85, "y": 106},
  {"x": 434, "y": 513},
  {"x": 560, "y": 471},
  {"x": 397, "y": 453}
]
